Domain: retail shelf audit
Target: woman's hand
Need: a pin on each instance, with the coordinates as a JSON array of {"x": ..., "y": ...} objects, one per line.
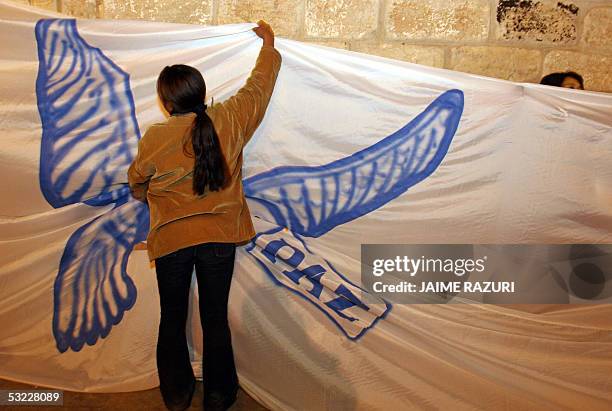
[{"x": 264, "y": 31}]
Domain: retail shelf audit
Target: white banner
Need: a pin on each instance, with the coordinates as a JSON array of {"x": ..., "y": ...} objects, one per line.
[{"x": 353, "y": 149}]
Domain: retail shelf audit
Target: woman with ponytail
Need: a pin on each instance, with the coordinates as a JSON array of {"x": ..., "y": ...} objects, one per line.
[{"x": 189, "y": 171}]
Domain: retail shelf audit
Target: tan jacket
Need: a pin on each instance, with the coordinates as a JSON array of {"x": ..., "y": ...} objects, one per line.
[{"x": 161, "y": 173}]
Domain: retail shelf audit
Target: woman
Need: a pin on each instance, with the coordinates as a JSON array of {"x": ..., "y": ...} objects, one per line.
[
  {"x": 568, "y": 79},
  {"x": 188, "y": 170}
]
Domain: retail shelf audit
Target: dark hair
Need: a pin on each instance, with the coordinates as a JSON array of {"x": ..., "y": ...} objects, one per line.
[
  {"x": 576, "y": 77},
  {"x": 182, "y": 90},
  {"x": 556, "y": 79},
  {"x": 553, "y": 79}
]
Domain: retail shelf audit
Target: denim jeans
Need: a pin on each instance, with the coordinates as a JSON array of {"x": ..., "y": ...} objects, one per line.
[{"x": 214, "y": 265}]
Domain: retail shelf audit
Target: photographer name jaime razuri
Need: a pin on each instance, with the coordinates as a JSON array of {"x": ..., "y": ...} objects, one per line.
[{"x": 445, "y": 287}]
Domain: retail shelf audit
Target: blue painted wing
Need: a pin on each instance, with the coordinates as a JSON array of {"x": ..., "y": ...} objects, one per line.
[
  {"x": 88, "y": 118},
  {"x": 90, "y": 135},
  {"x": 313, "y": 200},
  {"x": 93, "y": 290},
  {"x": 310, "y": 201}
]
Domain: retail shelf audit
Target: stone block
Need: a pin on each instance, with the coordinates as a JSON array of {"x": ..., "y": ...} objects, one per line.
[
  {"x": 85, "y": 9},
  {"x": 460, "y": 20},
  {"x": 283, "y": 15},
  {"x": 597, "y": 28},
  {"x": 546, "y": 21},
  {"x": 185, "y": 11},
  {"x": 339, "y": 19},
  {"x": 331, "y": 43},
  {"x": 45, "y": 4},
  {"x": 507, "y": 63}
]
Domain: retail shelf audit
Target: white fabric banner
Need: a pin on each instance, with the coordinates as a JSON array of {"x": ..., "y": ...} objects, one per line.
[{"x": 353, "y": 149}]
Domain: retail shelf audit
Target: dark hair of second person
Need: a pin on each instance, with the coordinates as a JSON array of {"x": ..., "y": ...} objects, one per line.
[{"x": 568, "y": 79}]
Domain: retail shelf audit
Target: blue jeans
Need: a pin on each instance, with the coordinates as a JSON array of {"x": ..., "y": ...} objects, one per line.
[{"x": 214, "y": 265}]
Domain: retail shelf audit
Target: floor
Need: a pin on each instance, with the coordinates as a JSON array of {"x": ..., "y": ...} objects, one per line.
[{"x": 149, "y": 400}]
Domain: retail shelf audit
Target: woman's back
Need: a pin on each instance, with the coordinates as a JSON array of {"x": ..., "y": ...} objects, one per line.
[{"x": 163, "y": 170}]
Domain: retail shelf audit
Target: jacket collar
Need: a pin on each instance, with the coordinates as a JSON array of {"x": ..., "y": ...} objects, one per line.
[{"x": 181, "y": 118}]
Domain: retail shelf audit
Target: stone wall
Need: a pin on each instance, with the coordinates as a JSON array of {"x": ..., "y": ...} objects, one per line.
[{"x": 518, "y": 40}]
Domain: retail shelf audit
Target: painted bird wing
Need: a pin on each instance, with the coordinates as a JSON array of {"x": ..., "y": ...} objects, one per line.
[
  {"x": 310, "y": 201},
  {"x": 89, "y": 138},
  {"x": 93, "y": 290},
  {"x": 88, "y": 117}
]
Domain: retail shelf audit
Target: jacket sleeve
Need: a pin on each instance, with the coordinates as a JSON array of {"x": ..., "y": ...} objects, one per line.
[
  {"x": 139, "y": 174},
  {"x": 248, "y": 106}
]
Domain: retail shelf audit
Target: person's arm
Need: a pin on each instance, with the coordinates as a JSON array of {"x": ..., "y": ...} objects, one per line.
[
  {"x": 139, "y": 175},
  {"x": 248, "y": 106}
]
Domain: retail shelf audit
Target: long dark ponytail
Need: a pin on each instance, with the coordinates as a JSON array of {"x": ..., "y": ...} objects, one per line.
[{"x": 182, "y": 90}]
